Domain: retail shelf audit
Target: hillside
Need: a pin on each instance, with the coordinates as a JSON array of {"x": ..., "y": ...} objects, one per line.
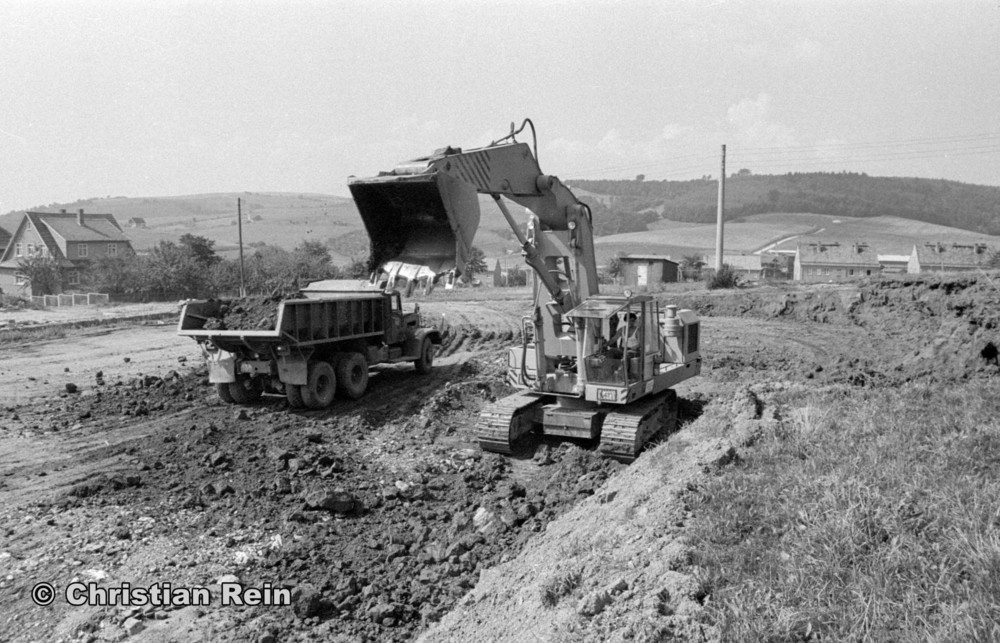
[
  {"x": 783, "y": 231},
  {"x": 675, "y": 218},
  {"x": 969, "y": 207}
]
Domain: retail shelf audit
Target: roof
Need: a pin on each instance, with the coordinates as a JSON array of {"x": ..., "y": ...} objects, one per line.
[
  {"x": 5, "y": 237},
  {"x": 854, "y": 254},
  {"x": 96, "y": 227},
  {"x": 894, "y": 258},
  {"x": 137, "y": 219},
  {"x": 954, "y": 254},
  {"x": 740, "y": 262},
  {"x": 648, "y": 258}
]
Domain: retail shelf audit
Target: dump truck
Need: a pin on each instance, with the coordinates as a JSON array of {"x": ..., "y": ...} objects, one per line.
[
  {"x": 593, "y": 366},
  {"x": 321, "y": 344}
]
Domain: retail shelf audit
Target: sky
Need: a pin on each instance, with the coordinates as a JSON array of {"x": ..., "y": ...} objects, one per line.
[{"x": 170, "y": 98}]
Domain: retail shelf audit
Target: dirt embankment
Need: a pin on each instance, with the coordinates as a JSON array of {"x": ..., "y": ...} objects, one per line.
[{"x": 935, "y": 327}]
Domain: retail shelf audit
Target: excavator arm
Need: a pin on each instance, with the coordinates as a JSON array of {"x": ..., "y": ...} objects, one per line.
[{"x": 425, "y": 213}]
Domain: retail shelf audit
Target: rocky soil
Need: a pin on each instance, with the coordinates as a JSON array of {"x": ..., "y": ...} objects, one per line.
[{"x": 381, "y": 516}]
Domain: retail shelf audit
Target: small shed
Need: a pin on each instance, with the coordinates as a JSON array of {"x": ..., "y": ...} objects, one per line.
[
  {"x": 135, "y": 222},
  {"x": 642, "y": 271}
]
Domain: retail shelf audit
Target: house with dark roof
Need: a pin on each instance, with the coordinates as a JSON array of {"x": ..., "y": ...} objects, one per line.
[
  {"x": 135, "y": 222},
  {"x": 835, "y": 262},
  {"x": 70, "y": 240},
  {"x": 940, "y": 257}
]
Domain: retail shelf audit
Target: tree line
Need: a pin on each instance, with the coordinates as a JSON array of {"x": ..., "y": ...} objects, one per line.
[
  {"x": 948, "y": 203},
  {"x": 191, "y": 268}
]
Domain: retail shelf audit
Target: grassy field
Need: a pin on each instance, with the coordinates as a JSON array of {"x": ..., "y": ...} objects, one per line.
[
  {"x": 864, "y": 515},
  {"x": 887, "y": 235}
]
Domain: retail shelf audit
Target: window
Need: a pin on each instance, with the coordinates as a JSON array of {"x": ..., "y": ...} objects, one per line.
[
  {"x": 20, "y": 278},
  {"x": 17, "y": 250},
  {"x": 73, "y": 277},
  {"x": 81, "y": 250},
  {"x": 112, "y": 249},
  {"x": 31, "y": 250}
]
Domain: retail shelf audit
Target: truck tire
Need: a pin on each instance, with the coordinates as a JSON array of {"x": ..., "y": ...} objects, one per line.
[
  {"x": 352, "y": 375},
  {"x": 320, "y": 387},
  {"x": 293, "y": 393},
  {"x": 246, "y": 390},
  {"x": 425, "y": 358},
  {"x": 222, "y": 388}
]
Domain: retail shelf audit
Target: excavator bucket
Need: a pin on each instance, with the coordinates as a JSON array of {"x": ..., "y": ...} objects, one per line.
[{"x": 426, "y": 220}]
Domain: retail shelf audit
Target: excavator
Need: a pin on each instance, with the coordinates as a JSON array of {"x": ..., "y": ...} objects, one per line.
[{"x": 589, "y": 366}]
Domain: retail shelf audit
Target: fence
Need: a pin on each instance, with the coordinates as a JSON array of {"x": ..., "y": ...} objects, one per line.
[{"x": 75, "y": 299}]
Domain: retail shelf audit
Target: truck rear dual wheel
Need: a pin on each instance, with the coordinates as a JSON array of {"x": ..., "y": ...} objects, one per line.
[
  {"x": 320, "y": 386},
  {"x": 246, "y": 389},
  {"x": 352, "y": 375}
]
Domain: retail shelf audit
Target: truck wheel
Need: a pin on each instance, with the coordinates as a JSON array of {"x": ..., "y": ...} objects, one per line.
[
  {"x": 425, "y": 360},
  {"x": 293, "y": 392},
  {"x": 222, "y": 388},
  {"x": 320, "y": 387},
  {"x": 246, "y": 390},
  {"x": 352, "y": 375}
]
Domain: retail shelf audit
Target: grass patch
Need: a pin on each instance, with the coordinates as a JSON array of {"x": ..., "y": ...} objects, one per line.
[
  {"x": 865, "y": 516},
  {"x": 560, "y": 584},
  {"x": 16, "y": 336}
]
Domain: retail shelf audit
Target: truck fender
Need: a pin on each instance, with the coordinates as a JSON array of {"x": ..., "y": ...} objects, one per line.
[
  {"x": 412, "y": 344},
  {"x": 293, "y": 369},
  {"x": 221, "y": 367}
]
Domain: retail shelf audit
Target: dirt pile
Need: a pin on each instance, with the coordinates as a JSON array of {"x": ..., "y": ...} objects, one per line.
[{"x": 248, "y": 313}]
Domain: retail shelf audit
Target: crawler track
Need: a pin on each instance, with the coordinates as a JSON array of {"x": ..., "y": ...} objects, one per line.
[
  {"x": 626, "y": 431},
  {"x": 504, "y": 421}
]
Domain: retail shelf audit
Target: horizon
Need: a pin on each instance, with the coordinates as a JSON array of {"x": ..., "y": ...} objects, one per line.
[{"x": 293, "y": 97}]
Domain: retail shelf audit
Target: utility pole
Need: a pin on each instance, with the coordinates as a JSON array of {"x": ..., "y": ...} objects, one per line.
[
  {"x": 718, "y": 218},
  {"x": 239, "y": 219}
]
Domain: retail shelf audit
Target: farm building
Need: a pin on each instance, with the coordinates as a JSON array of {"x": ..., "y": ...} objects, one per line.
[
  {"x": 70, "y": 240},
  {"x": 135, "y": 222},
  {"x": 832, "y": 261},
  {"x": 645, "y": 270},
  {"x": 746, "y": 266},
  {"x": 939, "y": 257}
]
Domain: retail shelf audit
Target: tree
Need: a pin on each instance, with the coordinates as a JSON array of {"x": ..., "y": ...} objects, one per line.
[
  {"x": 42, "y": 273},
  {"x": 691, "y": 266},
  {"x": 615, "y": 266},
  {"x": 477, "y": 261},
  {"x": 313, "y": 261},
  {"x": 640, "y": 177},
  {"x": 201, "y": 249}
]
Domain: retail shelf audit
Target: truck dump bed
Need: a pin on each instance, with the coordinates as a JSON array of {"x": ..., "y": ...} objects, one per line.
[{"x": 300, "y": 322}]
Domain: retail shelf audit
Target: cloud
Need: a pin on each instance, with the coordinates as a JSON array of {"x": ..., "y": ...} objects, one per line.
[
  {"x": 615, "y": 154},
  {"x": 750, "y": 121}
]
